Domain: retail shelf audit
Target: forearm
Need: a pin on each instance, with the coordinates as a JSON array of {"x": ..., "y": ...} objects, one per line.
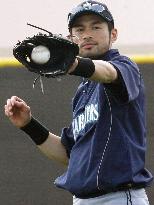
[
  {"x": 20, "y": 115},
  {"x": 54, "y": 149},
  {"x": 48, "y": 143},
  {"x": 104, "y": 72},
  {"x": 97, "y": 70}
]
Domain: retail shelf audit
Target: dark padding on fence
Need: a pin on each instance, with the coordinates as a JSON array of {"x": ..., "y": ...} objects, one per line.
[{"x": 26, "y": 176}]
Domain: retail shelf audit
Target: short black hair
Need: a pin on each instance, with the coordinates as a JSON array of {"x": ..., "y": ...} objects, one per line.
[{"x": 110, "y": 26}]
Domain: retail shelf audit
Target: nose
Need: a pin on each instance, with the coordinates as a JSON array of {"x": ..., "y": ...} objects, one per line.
[{"x": 87, "y": 34}]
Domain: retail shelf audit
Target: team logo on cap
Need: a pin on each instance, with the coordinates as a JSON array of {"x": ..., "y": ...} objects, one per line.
[
  {"x": 92, "y": 6},
  {"x": 87, "y": 5}
]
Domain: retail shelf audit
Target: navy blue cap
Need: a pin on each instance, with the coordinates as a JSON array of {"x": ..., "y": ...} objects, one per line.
[{"x": 89, "y": 6}]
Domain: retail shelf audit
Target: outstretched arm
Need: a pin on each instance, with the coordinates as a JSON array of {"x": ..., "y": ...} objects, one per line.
[{"x": 97, "y": 70}]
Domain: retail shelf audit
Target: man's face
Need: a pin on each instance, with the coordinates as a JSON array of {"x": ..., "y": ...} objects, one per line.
[{"x": 91, "y": 33}]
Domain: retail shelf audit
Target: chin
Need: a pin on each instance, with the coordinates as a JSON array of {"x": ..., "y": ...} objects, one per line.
[
  {"x": 90, "y": 55},
  {"x": 87, "y": 54}
]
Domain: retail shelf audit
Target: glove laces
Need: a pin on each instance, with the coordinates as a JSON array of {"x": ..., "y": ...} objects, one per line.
[
  {"x": 42, "y": 29},
  {"x": 41, "y": 83}
]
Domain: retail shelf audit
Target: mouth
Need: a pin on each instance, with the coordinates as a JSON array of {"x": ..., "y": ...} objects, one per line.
[{"x": 88, "y": 45}]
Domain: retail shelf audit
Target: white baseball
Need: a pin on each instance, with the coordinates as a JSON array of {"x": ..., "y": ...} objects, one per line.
[{"x": 40, "y": 54}]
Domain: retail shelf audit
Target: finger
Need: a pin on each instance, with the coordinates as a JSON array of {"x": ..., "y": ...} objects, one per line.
[
  {"x": 16, "y": 101},
  {"x": 18, "y": 104},
  {"x": 12, "y": 104},
  {"x": 7, "y": 112},
  {"x": 9, "y": 104}
]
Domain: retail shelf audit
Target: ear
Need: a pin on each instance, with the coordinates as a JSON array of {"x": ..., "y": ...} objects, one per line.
[{"x": 114, "y": 35}]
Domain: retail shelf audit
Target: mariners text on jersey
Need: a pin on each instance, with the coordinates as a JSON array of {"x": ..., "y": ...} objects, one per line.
[{"x": 88, "y": 116}]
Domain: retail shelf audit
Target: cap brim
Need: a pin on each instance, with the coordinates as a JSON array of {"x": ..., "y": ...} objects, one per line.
[{"x": 80, "y": 13}]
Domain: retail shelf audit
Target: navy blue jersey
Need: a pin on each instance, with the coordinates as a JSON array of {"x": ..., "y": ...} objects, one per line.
[{"x": 106, "y": 140}]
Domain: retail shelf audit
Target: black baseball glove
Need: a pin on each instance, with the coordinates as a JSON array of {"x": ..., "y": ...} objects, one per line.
[{"x": 62, "y": 54}]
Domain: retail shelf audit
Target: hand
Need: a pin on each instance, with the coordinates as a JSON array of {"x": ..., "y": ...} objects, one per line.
[
  {"x": 72, "y": 68},
  {"x": 17, "y": 111}
]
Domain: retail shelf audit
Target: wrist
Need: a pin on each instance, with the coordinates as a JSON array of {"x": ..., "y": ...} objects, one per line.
[
  {"x": 84, "y": 68},
  {"x": 36, "y": 131},
  {"x": 20, "y": 126}
]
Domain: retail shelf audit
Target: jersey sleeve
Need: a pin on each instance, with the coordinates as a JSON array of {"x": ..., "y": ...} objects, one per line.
[
  {"x": 129, "y": 79},
  {"x": 67, "y": 139}
]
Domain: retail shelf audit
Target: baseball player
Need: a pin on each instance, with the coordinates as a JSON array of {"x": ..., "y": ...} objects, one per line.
[{"x": 104, "y": 146}]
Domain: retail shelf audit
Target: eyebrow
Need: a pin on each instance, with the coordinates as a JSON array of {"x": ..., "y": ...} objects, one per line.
[{"x": 93, "y": 23}]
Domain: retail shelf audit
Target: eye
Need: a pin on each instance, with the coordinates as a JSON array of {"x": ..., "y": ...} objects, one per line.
[
  {"x": 79, "y": 30},
  {"x": 96, "y": 27}
]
